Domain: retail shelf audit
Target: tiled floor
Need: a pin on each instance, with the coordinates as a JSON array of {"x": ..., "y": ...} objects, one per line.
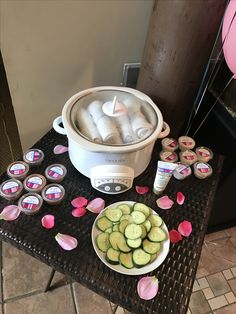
[
  {"x": 214, "y": 289},
  {"x": 23, "y": 280}
]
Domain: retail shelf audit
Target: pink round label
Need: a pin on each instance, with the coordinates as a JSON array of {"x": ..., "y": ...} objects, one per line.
[
  {"x": 203, "y": 168},
  {"x": 33, "y": 155},
  {"x": 187, "y": 143},
  {"x": 170, "y": 143},
  {"x": 53, "y": 193},
  {"x": 189, "y": 157},
  {"x": 170, "y": 157},
  {"x": 203, "y": 153},
  {"x": 34, "y": 182},
  {"x": 183, "y": 169},
  {"x": 30, "y": 202},
  {"x": 10, "y": 187},
  {"x": 17, "y": 169},
  {"x": 55, "y": 172}
]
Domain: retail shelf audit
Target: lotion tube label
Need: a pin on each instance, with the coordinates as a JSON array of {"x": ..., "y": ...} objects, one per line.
[{"x": 163, "y": 175}]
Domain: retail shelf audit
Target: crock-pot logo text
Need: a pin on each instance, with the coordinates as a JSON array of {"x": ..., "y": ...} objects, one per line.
[{"x": 115, "y": 160}]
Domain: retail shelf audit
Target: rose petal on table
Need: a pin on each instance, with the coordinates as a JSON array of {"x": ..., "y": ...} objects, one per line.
[
  {"x": 78, "y": 212},
  {"x": 147, "y": 287},
  {"x": 175, "y": 236},
  {"x": 79, "y": 201},
  {"x": 66, "y": 241},
  {"x": 60, "y": 149},
  {"x": 185, "y": 228},
  {"x": 180, "y": 198},
  {"x": 164, "y": 202},
  {"x": 48, "y": 221},
  {"x": 10, "y": 212},
  {"x": 96, "y": 205},
  {"x": 141, "y": 189}
]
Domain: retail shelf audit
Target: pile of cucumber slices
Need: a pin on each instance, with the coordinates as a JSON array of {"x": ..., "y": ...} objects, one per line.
[{"x": 130, "y": 235}]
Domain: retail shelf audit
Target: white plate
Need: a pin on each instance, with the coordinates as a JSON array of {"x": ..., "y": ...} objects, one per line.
[{"x": 133, "y": 271}]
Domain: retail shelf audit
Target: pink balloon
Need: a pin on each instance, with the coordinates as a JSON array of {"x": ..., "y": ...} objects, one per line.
[{"x": 229, "y": 36}]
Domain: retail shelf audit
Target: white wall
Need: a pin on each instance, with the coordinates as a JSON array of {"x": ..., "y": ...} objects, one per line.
[{"x": 53, "y": 49}]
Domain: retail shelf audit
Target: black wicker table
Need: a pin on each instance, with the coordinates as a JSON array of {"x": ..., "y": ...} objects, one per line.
[{"x": 176, "y": 274}]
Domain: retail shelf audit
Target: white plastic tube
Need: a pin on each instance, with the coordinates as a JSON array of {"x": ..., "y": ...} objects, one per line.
[{"x": 163, "y": 175}]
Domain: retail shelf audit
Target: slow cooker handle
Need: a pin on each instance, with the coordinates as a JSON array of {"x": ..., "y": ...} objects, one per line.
[
  {"x": 166, "y": 130},
  {"x": 57, "y": 127}
]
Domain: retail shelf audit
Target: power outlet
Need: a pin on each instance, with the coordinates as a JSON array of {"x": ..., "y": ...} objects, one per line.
[{"x": 130, "y": 74}]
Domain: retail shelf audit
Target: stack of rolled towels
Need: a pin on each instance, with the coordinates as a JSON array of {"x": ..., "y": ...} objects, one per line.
[{"x": 127, "y": 128}]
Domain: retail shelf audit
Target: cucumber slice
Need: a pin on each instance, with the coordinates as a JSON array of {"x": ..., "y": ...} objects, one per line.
[
  {"x": 147, "y": 225},
  {"x": 138, "y": 217},
  {"x": 117, "y": 241},
  {"x": 153, "y": 257},
  {"x": 102, "y": 241},
  {"x": 142, "y": 208},
  {"x": 113, "y": 214},
  {"x": 126, "y": 210},
  {"x": 144, "y": 232},
  {"x": 126, "y": 260},
  {"x": 103, "y": 223},
  {"x": 134, "y": 244},
  {"x": 133, "y": 231},
  {"x": 141, "y": 258},
  {"x": 157, "y": 234},
  {"x": 122, "y": 245},
  {"x": 113, "y": 238},
  {"x": 112, "y": 256},
  {"x": 123, "y": 225},
  {"x": 151, "y": 247},
  {"x": 115, "y": 227},
  {"x": 155, "y": 220},
  {"x": 127, "y": 217},
  {"x": 109, "y": 230}
]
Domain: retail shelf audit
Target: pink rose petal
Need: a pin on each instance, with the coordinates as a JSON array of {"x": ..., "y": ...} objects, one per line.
[
  {"x": 60, "y": 149},
  {"x": 142, "y": 189},
  {"x": 96, "y": 205},
  {"x": 48, "y": 221},
  {"x": 66, "y": 241},
  {"x": 10, "y": 212},
  {"x": 180, "y": 198},
  {"x": 175, "y": 236},
  {"x": 79, "y": 201},
  {"x": 164, "y": 202},
  {"x": 185, "y": 228},
  {"x": 78, "y": 212},
  {"x": 147, "y": 287}
]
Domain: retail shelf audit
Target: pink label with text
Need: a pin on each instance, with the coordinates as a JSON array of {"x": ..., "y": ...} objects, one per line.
[
  {"x": 17, "y": 169},
  {"x": 30, "y": 202},
  {"x": 10, "y": 187}
]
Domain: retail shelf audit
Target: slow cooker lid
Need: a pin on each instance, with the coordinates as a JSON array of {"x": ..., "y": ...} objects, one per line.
[{"x": 113, "y": 117}]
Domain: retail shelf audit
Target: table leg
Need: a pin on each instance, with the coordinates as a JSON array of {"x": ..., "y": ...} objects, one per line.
[{"x": 50, "y": 280}]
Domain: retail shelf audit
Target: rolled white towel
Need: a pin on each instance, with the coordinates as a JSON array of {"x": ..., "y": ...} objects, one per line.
[
  {"x": 95, "y": 109},
  {"x": 140, "y": 125},
  {"x": 124, "y": 126},
  {"x": 108, "y": 131},
  {"x": 86, "y": 125},
  {"x": 132, "y": 104}
]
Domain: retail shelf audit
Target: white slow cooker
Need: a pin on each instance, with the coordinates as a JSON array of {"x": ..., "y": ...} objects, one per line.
[{"x": 111, "y": 133}]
